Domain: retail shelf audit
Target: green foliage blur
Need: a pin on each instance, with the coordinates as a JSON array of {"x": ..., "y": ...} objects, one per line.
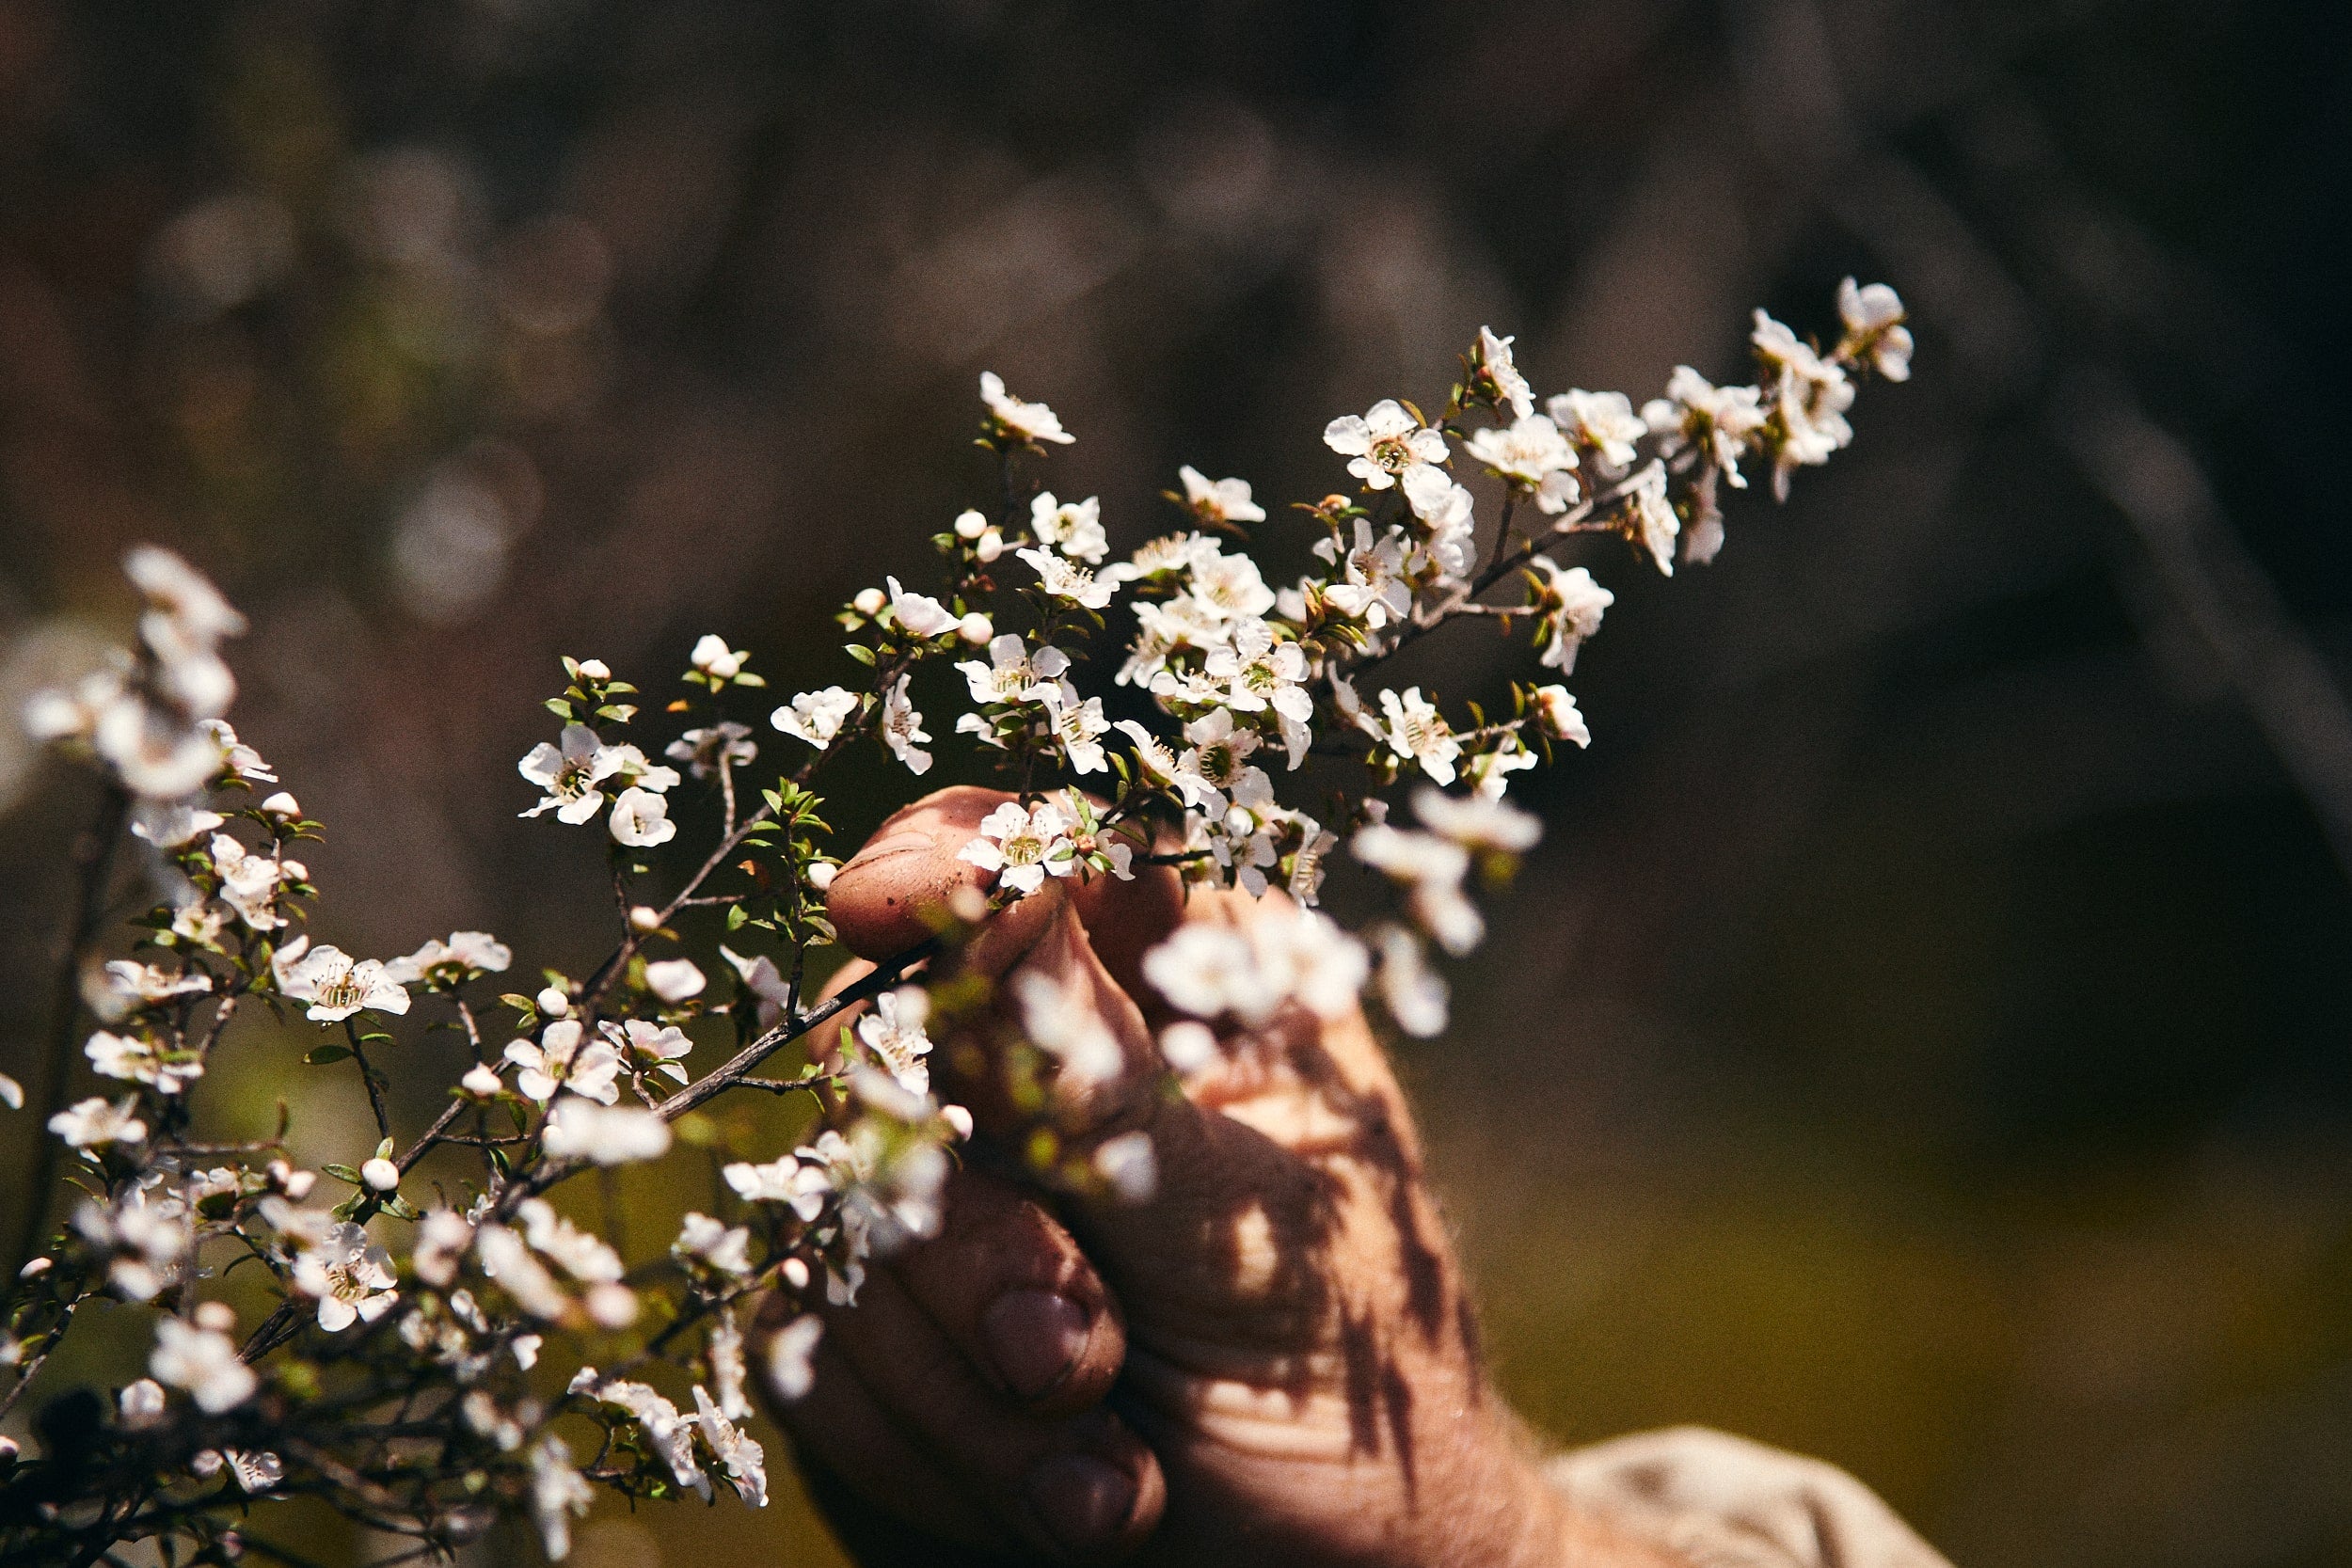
[{"x": 1922, "y": 1039}]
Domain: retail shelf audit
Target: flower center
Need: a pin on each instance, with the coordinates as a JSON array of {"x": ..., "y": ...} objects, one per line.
[
  {"x": 1024, "y": 849},
  {"x": 341, "y": 991},
  {"x": 1393, "y": 452}
]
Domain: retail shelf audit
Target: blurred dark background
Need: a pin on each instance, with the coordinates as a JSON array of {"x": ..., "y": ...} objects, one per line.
[{"x": 1922, "y": 1039}]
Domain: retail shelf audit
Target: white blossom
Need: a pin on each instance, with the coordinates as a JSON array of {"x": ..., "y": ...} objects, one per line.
[
  {"x": 1417, "y": 732},
  {"x": 1226, "y": 587},
  {"x": 1604, "y": 423},
  {"x": 351, "y": 1278},
  {"x": 903, "y": 729},
  {"x": 1187, "y": 1045},
  {"x": 615, "y": 1136},
  {"x": 93, "y": 1123},
  {"x": 704, "y": 748},
  {"x": 334, "y": 984},
  {"x": 1430, "y": 868},
  {"x": 1063, "y": 581},
  {"x": 725, "y": 1248},
  {"x": 640, "y": 819},
  {"x": 442, "y": 1239},
  {"x": 1873, "y": 315},
  {"x": 893, "y": 1031},
  {"x": 204, "y": 1362},
  {"x": 1494, "y": 357},
  {"x": 1414, "y": 994},
  {"x": 919, "y": 614},
  {"x": 674, "y": 980},
  {"x": 1556, "y": 711},
  {"x": 1023, "y": 847},
  {"x": 650, "y": 1047},
  {"x": 1697, "y": 419},
  {"x": 1383, "y": 443},
  {"x": 671, "y": 1434},
  {"x": 815, "y": 717},
  {"x": 1654, "y": 517},
  {"x": 737, "y": 1451},
  {"x": 465, "y": 955},
  {"x": 1078, "y": 727},
  {"x": 1809, "y": 400},
  {"x": 585, "y": 1258},
  {"x": 1489, "y": 772},
  {"x": 1477, "y": 824},
  {"x": 1261, "y": 675},
  {"x": 1073, "y": 528},
  {"x": 141, "y": 1404},
  {"x": 563, "y": 1058},
  {"x": 1533, "y": 457},
  {"x": 1372, "y": 584},
  {"x": 725, "y": 1351},
  {"x": 784, "y": 1181},
  {"x": 765, "y": 982},
  {"x": 1571, "y": 604},
  {"x": 130, "y": 984},
  {"x": 1063, "y": 1021},
  {"x": 1013, "y": 672},
  {"x": 170, "y": 824},
  {"x": 791, "y": 1355},
  {"x": 1224, "y": 500},
  {"x": 507, "y": 1260},
  {"x": 559, "y": 1494},
  {"x": 713, "y": 658},
  {"x": 572, "y": 774},
  {"x": 1030, "y": 421},
  {"x": 249, "y": 882},
  {"x": 235, "y": 756},
  {"x": 1160, "y": 764},
  {"x": 1129, "y": 1165}
]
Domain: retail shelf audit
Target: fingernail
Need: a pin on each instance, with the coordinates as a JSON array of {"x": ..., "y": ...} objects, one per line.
[
  {"x": 1082, "y": 1502},
  {"x": 1034, "y": 1337}
]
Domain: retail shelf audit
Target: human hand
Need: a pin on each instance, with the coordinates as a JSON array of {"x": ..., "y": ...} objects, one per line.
[{"x": 1269, "y": 1360}]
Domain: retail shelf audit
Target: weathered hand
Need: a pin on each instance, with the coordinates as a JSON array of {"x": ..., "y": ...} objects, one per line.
[{"x": 1271, "y": 1360}]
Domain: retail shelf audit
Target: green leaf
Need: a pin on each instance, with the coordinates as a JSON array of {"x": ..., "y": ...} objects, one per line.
[
  {"x": 399, "y": 1208},
  {"x": 378, "y": 1034},
  {"x": 326, "y": 1053},
  {"x": 558, "y": 707},
  {"x": 860, "y": 651},
  {"x": 342, "y": 1173},
  {"x": 736, "y": 914}
]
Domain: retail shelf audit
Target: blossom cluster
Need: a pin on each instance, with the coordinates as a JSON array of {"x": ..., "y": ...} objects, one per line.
[{"x": 520, "y": 1357}]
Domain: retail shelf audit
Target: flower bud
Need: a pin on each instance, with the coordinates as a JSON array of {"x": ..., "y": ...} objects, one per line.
[
  {"x": 645, "y": 917},
  {"x": 282, "y": 805},
  {"x": 975, "y": 628},
  {"x": 218, "y": 1315},
  {"x": 480, "y": 1080},
  {"x": 553, "y": 1001},
  {"x": 957, "y": 1118},
  {"x": 1188, "y": 1046},
  {"x": 820, "y": 875},
  {"x": 988, "y": 547},
  {"x": 381, "y": 1175},
  {"x": 611, "y": 1305},
  {"x": 970, "y": 525},
  {"x": 795, "y": 1273},
  {"x": 595, "y": 670},
  {"x": 38, "y": 1266},
  {"x": 869, "y": 601}
]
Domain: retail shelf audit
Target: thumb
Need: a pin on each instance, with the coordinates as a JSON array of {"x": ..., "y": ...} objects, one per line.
[{"x": 1224, "y": 1202}]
